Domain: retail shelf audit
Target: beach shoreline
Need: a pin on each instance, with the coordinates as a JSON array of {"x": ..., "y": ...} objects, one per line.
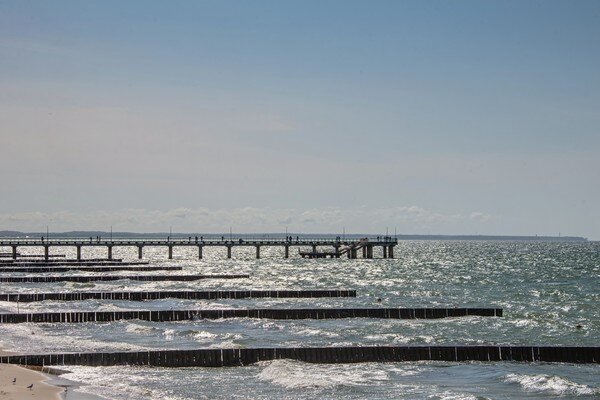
[
  {"x": 47, "y": 385},
  {"x": 42, "y": 386}
]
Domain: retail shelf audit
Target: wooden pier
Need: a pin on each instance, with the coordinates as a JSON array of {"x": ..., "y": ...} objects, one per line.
[{"x": 337, "y": 247}]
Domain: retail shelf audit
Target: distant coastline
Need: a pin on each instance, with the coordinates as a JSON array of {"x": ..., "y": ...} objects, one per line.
[{"x": 80, "y": 234}]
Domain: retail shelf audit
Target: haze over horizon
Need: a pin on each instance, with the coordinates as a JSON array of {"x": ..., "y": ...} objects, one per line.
[{"x": 429, "y": 117}]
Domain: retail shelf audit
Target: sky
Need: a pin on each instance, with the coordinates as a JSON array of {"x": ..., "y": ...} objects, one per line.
[{"x": 428, "y": 117}]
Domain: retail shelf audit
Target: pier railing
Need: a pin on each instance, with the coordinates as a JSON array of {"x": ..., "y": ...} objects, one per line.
[{"x": 221, "y": 240}]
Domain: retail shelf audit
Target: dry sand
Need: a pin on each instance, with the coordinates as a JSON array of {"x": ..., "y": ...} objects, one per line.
[{"x": 25, "y": 377}]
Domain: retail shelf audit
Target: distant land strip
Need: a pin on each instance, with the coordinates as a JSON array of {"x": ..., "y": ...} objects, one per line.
[{"x": 239, "y": 357}]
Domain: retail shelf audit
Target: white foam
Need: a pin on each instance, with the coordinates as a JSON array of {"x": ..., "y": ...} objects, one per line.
[
  {"x": 203, "y": 335},
  {"x": 226, "y": 344},
  {"x": 33, "y": 338},
  {"x": 455, "y": 396},
  {"x": 317, "y": 332},
  {"x": 551, "y": 384},
  {"x": 294, "y": 374},
  {"x": 169, "y": 334},
  {"x": 136, "y": 328},
  {"x": 520, "y": 323}
]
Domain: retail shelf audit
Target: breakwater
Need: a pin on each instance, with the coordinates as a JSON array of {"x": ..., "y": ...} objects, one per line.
[
  {"x": 354, "y": 354},
  {"x": 189, "y": 295},
  {"x": 267, "y": 313},
  {"x": 102, "y": 268},
  {"x": 92, "y": 278}
]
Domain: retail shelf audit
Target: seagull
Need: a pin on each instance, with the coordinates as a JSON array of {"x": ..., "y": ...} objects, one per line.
[
  {"x": 14, "y": 380},
  {"x": 30, "y": 386}
]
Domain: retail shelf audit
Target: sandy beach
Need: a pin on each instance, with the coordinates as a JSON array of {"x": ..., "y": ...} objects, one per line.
[{"x": 25, "y": 377}]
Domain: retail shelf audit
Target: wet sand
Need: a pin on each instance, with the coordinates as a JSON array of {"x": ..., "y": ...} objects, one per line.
[{"x": 25, "y": 377}]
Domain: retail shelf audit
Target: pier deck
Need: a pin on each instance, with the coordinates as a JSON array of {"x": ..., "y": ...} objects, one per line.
[{"x": 336, "y": 246}]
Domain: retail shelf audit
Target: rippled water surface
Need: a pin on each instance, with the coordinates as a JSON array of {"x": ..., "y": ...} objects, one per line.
[{"x": 545, "y": 289}]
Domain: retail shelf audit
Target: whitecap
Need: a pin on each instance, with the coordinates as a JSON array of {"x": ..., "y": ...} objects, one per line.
[
  {"x": 551, "y": 384},
  {"x": 203, "y": 335},
  {"x": 454, "y": 396},
  {"x": 137, "y": 328},
  {"x": 294, "y": 374},
  {"x": 169, "y": 334},
  {"x": 316, "y": 332}
]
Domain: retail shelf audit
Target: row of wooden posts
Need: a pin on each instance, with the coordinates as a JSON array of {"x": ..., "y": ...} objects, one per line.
[{"x": 351, "y": 354}]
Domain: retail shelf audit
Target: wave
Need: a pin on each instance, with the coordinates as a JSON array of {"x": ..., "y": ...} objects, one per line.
[
  {"x": 295, "y": 374},
  {"x": 138, "y": 328},
  {"x": 551, "y": 384}
]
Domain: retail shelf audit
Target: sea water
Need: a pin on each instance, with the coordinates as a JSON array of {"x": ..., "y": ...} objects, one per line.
[{"x": 546, "y": 290}]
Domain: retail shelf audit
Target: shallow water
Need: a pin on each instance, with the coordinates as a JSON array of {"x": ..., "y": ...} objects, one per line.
[{"x": 545, "y": 289}]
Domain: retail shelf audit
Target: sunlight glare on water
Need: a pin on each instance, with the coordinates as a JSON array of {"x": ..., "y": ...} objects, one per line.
[{"x": 545, "y": 289}]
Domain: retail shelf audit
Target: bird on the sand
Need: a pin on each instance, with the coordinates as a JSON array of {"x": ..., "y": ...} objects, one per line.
[
  {"x": 14, "y": 380},
  {"x": 30, "y": 386}
]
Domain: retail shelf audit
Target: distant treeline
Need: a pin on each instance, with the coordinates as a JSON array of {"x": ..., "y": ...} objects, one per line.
[{"x": 83, "y": 234}]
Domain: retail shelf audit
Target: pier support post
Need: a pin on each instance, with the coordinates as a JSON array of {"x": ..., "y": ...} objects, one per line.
[
  {"x": 257, "y": 251},
  {"x": 228, "y": 251},
  {"x": 370, "y": 251},
  {"x": 391, "y": 252},
  {"x": 384, "y": 251},
  {"x": 14, "y": 252},
  {"x": 314, "y": 248},
  {"x": 349, "y": 253},
  {"x": 78, "y": 253},
  {"x": 170, "y": 252},
  {"x": 199, "y": 252},
  {"x": 287, "y": 252},
  {"x": 364, "y": 249},
  {"x": 109, "y": 252},
  {"x": 46, "y": 252},
  {"x": 140, "y": 252},
  {"x": 337, "y": 251}
]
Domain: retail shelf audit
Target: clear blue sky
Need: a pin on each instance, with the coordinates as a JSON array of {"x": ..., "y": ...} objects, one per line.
[{"x": 432, "y": 117}]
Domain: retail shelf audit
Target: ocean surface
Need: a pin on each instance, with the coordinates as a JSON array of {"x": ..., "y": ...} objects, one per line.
[{"x": 546, "y": 290}]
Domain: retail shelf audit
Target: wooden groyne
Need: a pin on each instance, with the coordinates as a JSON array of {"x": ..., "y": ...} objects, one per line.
[
  {"x": 354, "y": 354},
  {"x": 19, "y": 255},
  {"x": 65, "y": 263},
  {"x": 186, "y": 315},
  {"x": 102, "y": 268},
  {"x": 189, "y": 295},
  {"x": 92, "y": 278},
  {"x": 66, "y": 260}
]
